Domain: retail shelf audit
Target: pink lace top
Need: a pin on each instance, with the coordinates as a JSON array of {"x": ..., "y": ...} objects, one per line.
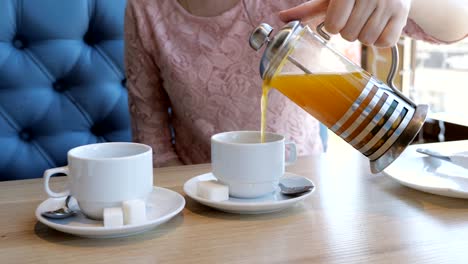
[{"x": 204, "y": 70}]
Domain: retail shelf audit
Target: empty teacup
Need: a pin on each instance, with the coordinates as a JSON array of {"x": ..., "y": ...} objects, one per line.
[
  {"x": 104, "y": 175},
  {"x": 247, "y": 166}
]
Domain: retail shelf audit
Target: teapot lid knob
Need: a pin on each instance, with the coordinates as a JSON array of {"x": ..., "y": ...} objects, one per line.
[{"x": 260, "y": 35}]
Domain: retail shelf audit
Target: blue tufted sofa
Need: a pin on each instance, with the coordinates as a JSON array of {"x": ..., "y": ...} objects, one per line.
[{"x": 62, "y": 81}]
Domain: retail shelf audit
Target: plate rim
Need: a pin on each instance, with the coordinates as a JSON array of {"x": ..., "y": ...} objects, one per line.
[
  {"x": 106, "y": 231},
  {"x": 238, "y": 205},
  {"x": 441, "y": 191}
]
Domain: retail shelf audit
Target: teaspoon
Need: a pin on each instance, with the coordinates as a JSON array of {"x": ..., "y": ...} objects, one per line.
[
  {"x": 459, "y": 159},
  {"x": 60, "y": 213},
  {"x": 295, "y": 185},
  {"x": 433, "y": 154}
]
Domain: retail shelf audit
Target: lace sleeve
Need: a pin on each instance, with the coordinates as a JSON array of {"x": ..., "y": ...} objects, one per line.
[{"x": 148, "y": 101}]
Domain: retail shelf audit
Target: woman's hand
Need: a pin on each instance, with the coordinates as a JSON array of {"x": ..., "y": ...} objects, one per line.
[{"x": 373, "y": 22}]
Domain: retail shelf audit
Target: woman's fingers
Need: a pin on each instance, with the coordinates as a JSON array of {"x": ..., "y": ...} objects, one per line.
[
  {"x": 360, "y": 15},
  {"x": 374, "y": 27},
  {"x": 373, "y": 22},
  {"x": 391, "y": 32},
  {"x": 305, "y": 11},
  {"x": 399, "y": 10},
  {"x": 338, "y": 13}
]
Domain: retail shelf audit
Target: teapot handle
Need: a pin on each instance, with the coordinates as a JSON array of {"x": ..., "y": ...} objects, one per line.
[
  {"x": 391, "y": 73},
  {"x": 391, "y": 76}
]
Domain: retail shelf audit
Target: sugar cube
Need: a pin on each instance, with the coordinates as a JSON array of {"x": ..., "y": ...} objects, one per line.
[
  {"x": 213, "y": 190},
  {"x": 134, "y": 212},
  {"x": 113, "y": 217}
]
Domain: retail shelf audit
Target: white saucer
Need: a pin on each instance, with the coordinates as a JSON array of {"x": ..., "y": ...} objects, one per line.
[
  {"x": 265, "y": 204},
  {"x": 430, "y": 175},
  {"x": 161, "y": 205}
]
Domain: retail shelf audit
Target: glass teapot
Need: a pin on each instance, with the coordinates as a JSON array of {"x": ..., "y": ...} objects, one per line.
[{"x": 375, "y": 118}]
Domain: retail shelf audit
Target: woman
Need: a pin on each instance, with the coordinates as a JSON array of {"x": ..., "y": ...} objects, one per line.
[
  {"x": 190, "y": 69},
  {"x": 197, "y": 61}
]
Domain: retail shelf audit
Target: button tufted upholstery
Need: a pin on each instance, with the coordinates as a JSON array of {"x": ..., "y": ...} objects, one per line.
[{"x": 61, "y": 81}]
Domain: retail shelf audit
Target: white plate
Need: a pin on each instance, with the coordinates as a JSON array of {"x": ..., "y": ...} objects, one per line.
[
  {"x": 265, "y": 204},
  {"x": 430, "y": 175},
  {"x": 161, "y": 205}
]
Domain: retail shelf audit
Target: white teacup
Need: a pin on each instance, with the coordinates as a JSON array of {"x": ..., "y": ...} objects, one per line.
[
  {"x": 250, "y": 168},
  {"x": 104, "y": 175}
]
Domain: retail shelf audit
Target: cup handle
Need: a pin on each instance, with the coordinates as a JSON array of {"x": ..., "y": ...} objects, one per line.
[
  {"x": 292, "y": 153},
  {"x": 47, "y": 174}
]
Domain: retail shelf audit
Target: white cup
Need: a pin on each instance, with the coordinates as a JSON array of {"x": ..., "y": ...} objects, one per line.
[
  {"x": 250, "y": 168},
  {"x": 104, "y": 175}
]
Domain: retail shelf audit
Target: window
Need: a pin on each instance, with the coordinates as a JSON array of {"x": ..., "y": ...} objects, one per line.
[
  {"x": 431, "y": 74},
  {"x": 441, "y": 80}
]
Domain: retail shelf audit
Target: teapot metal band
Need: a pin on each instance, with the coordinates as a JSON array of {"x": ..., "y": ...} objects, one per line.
[
  {"x": 353, "y": 108},
  {"x": 375, "y": 120}
]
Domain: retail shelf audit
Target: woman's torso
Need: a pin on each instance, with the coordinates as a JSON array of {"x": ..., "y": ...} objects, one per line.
[{"x": 211, "y": 76}]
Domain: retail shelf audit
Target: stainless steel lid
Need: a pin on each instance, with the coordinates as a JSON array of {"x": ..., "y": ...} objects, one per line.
[{"x": 277, "y": 47}]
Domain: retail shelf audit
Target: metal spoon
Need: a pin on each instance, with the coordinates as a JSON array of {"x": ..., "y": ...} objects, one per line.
[
  {"x": 60, "y": 213},
  {"x": 433, "y": 154},
  {"x": 295, "y": 185},
  {"x": 459, "y": 159}
]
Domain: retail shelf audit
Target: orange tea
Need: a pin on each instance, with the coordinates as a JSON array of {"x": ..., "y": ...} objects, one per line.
[
  {"x": 326, "y": 96},
  {"x": 263, "y": 107}
]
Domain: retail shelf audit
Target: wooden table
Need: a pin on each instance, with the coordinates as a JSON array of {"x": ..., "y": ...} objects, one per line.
[{"x": 353, "y": 217}]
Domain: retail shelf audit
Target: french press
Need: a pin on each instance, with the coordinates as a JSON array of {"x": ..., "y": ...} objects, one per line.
[{"x": 374, "y": 117}]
